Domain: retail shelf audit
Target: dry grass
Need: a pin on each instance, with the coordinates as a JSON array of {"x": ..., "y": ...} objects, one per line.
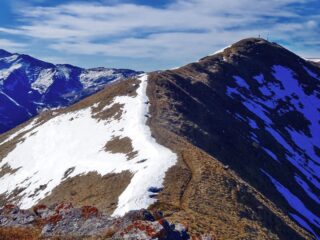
[
  {"x": 91, "y": 189},
  {"x": 19, "y": 234},
  {"x": 121, "y": 145}
]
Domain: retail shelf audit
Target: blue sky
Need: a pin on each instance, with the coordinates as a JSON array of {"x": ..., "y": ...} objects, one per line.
[{"x": 155, "y": 34}]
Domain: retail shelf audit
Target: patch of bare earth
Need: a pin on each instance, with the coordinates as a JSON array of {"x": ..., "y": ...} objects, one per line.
[
  {"x": 121, "y": 145},
  {"x": 91, "y": 189},
  {"x": 9, "y": 197}
]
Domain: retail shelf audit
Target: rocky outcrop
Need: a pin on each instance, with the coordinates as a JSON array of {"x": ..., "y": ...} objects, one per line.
[{"x": 63, "y": 221}]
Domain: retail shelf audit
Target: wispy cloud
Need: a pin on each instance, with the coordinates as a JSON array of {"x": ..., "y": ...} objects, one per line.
[
  {"x": 181, "y": 31},
  {"x": 11, "y": 45}
]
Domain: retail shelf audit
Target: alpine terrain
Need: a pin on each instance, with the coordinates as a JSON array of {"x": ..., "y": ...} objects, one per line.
[
  {"x": 29, "y": 86},
  {"x": 227, "y": 146}
]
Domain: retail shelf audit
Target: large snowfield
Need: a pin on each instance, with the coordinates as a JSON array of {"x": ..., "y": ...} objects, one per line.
[{"x": 77, "y": 139}]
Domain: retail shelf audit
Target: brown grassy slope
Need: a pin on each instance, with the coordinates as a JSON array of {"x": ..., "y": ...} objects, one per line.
[
  {"x": 19, "y": 234},
  {"x": 91, "y": 189}
]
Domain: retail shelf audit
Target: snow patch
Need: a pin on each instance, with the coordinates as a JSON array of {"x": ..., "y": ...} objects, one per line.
[
  {"x": 63, "y": 71},
  {"x": 252, "y": 123},
  {"x": 271, "y": 154},
  {"x": 22, "y": 130},
  {"x": 286, "y": 88},
  {"x": 10, "y": 59},
  {"x": 174, "y": 68},
  {"x": 294, "y": 202},
  {"x": 305, "y": 104},
  {"x": 88, "y": 77},
  {"x": 317, "y": 60},
  {"x": 15, "y": 102},
  {"x": 219, "y": 51},
  {"x": 259, "y": 78},
  {"x": 311, "y": 73},
  {"x": 304, "y": 224},
  {"x": 5, "y": 73},
  {"x": 44, "y": 80},
  {"x": 307, "y": 189},
  {"x": 241, "y": 82}
]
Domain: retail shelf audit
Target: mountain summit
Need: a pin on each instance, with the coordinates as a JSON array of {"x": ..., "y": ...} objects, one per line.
[
  {"x": 228, "y": 145},
  {"x": 29, "y": 86}
]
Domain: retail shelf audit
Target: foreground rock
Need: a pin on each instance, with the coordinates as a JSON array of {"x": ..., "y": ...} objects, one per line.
[{"x": 63, "y": 221}]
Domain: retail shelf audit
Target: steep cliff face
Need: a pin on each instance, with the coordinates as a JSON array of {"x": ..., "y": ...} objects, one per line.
[{"x": 227, "y": 145}]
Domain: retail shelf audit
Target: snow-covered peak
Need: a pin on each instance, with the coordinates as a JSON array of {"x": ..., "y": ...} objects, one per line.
[{"x": 29, "y": 85}]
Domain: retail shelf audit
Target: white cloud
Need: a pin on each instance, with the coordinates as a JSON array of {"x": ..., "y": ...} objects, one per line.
[
  {"x": 312, "y": 24},
  {"x": 11, "y": 45},
  {"x": 185, "y": 29},
  {"x": 96, "y": 20}
]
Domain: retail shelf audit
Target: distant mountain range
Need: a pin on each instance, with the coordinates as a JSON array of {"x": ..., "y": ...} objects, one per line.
[
  {"x": 29, "y": 86},
  {"x": 228, "y": 145}
]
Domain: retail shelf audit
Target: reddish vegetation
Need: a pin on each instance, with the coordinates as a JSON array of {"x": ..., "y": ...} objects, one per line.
[
  {"x": 54, "y": 219},
  {"x": 161, "y": 221},
  {"x": 63, "y": 207},
  {"x": 145, "y": 227},
  {"x": 88, "y": 211},
  {"x": 8, "y": 208}
]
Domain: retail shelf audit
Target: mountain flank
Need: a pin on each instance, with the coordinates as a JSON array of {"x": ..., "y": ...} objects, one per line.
[
  {"x": 227, "y": 145},
  {"x": 243, "y": 107}
]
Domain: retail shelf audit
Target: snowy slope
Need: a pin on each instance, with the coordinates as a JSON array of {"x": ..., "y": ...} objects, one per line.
[
  {"x": 29, "y": 86},
  {"x": 63, "y": 134},
  {"x": 300, "y": 144}
]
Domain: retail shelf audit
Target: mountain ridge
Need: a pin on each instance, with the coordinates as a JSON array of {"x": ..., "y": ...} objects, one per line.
[
  {"x": 216, "y": 96},
  {"x": 29, "y": 85},
  {"x": 230, "y": 118}
]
